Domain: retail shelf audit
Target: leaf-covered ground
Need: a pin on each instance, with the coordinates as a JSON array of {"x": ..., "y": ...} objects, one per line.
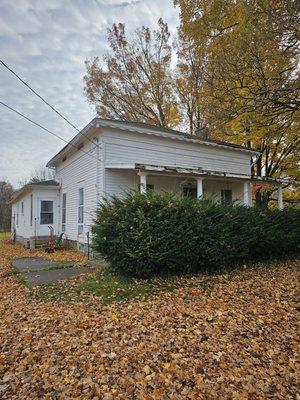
[{"x": 236, "y": 338}]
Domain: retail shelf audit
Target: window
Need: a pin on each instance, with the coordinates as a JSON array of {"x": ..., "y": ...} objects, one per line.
[
  {"x": 149, "y": 186},
  {"x": 63, "y": 212},
  {"x": 22, "y": 207},
  {"x": 46, "y": 217},
  {"x": 226, "y": 196},
  {"x": 80, "y": 210},
  {"x": 31, "y": 209},
  {"x": 190, "y": 192}
]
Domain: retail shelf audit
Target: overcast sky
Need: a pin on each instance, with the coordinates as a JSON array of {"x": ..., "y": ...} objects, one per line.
[{"x": 46, "y": 43}]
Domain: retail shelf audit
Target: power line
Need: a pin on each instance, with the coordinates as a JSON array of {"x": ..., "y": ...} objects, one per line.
[
  {"x": 45, "y": 129},
  {"x": 45, "y": 101}
]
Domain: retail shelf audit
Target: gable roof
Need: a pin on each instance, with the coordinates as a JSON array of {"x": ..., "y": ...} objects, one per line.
[
  {"x": 147, "y": 129},
  {"x": 50, "y": 184}
]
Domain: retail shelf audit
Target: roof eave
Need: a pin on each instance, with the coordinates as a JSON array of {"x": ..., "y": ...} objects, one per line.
[
  {"x": 30, "y": 187},
  {"x": 71, "y": 144}
]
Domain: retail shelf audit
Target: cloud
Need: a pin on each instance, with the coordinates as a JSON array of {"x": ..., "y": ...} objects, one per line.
[
  {"x": 46, "y": 43},
  {"x": 128, "y": 3}
]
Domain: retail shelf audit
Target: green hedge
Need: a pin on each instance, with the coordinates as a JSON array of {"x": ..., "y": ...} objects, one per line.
[{"x": 147, "y": 234}]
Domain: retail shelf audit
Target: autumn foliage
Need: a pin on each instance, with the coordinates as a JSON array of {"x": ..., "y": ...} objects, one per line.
[
  {"x": 235, "y": 74},
  {"x": 233, "y": 336},
  {"x": 156, "y": 233}
]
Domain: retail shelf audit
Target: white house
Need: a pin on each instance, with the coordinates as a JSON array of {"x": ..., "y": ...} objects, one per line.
[{"x": 111, "y": 157}]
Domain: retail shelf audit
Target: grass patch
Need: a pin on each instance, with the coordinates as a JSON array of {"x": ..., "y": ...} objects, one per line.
[
  {"x": 4, "y": 235},
  {"x": 112, "y": 287},
  {"x": 103, "y": 287},
  {"x": 20, "y": 278},
  {"x": 53, "y": 292}
]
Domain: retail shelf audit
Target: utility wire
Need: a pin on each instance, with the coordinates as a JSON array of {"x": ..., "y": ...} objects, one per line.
[
  {"x": 45, "y": 101},
  {"x": 45, "y": 129}
]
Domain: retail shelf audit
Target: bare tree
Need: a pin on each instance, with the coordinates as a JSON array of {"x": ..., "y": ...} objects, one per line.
[
  {"x": 6, "y": 192},
  {"x": 41, "y": 174}
]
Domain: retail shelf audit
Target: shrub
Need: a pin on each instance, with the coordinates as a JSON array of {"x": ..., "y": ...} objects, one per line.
[{"x": 146, "y": 234}]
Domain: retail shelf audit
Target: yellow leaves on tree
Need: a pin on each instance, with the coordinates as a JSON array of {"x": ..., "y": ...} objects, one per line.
[{"x": 251, "y": 76}]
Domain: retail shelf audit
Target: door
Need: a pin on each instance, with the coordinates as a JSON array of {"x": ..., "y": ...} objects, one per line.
[{"x": 46, "y": 215}]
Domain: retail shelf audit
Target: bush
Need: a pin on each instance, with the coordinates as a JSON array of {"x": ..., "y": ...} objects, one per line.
[{"x": 147, "y": 234}]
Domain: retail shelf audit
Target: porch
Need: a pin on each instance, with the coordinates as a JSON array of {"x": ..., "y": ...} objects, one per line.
[{"x": 214, "y": 185}]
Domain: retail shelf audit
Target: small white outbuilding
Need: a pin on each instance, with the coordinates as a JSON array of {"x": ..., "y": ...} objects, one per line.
[{"x": 34, "y": 210}]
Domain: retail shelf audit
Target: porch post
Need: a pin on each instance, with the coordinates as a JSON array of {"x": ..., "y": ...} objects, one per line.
[
  {"x": 280, "y": 198},
  {"x": 143, "y": 182},
  {"x": 246, "y": 199},
  {"x": 199, "y": 188}
]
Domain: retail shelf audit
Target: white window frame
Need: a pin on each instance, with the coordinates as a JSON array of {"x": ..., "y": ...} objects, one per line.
[
  {"x": 46, "y": 212},
  {"x": 80, "y": 211},
  {"x": 64, "y": 212},
  {"x": 17, "y": 222},
  {"x": 31, "y": 209}
]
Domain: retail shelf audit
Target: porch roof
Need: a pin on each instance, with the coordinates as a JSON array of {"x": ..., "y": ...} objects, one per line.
[
  {"x": 196, "y": 172},
  {"x": 176, "y": 170}
]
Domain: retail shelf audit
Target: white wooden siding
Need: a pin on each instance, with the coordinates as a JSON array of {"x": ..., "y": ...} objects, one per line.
[
  {"x": 79, "y": 171},
  {"x": 38, "y": 196},
  {"x": 122, "y": 147},
  {"x": 24, "y": 227}
]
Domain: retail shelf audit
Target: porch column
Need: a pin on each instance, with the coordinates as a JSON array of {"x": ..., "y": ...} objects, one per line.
[
  {"x": 279, "y": 195},
  {"x": 143, "y": 182},
  {"x": 246, "y": 199},
  {"x": 199, "y": 188}
]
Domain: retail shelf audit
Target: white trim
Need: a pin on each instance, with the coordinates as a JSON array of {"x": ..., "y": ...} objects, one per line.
[
  {"x": 199, "y": 188},
  {"x": 80, "y": 206},
  {"x": 120, "y": 166},
  {"x": 246, "y": 194},
  {"x": 180, "y": 171},
  {"x": 280, "y": 197},
  {"x": 143, "y": 182}
]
